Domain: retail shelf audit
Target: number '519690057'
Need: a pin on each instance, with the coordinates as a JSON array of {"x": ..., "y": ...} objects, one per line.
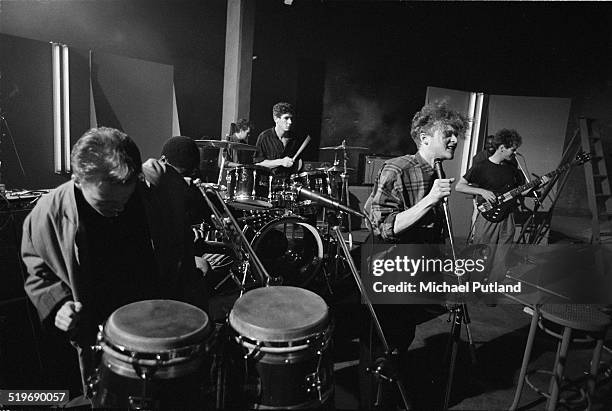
[{"x": 33, "y": 397}]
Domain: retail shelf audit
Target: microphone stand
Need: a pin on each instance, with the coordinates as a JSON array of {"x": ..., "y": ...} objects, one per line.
[
  {"x": 458, "y": 312},
  {"x": 218, "y": 220},
  {"x": 5, "y": 131},
  {"x": 531, "y": 223},
  {"x": 382, "y": 370}
]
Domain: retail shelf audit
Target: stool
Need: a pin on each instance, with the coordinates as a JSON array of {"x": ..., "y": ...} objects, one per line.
[{"x": 582, "y": 317}]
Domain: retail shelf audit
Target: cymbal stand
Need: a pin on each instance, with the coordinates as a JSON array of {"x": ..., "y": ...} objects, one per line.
[
  {"x": 222, "y": 167},
  {"x": 344, "y": 176},
  {"x": 5, "y": 131},
  {"x": 219, "y": 220},
  {"x": 383, "y": 369}
]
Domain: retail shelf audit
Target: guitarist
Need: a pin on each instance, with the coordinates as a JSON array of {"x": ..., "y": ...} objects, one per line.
[{"x": 496, "y": 174}]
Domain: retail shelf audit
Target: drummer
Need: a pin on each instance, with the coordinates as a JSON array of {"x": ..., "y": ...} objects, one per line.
[
  {"x": 240, "y": 132},
  {"x": 276, "y": 145}
]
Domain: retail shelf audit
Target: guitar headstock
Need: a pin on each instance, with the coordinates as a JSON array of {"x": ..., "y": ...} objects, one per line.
[{"x": 582, "y": 158}]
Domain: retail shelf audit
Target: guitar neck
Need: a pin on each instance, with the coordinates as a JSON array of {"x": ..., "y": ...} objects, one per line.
[{"x": 538, "y": 181}]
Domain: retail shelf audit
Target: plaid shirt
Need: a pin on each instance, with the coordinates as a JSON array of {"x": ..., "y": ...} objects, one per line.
[{"x": 402, "y": 182}]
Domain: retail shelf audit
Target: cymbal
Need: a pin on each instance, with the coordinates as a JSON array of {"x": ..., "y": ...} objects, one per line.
[
  {"x": 213, "y": 143},
  {"x": 341, "y": 147},
  {"x": 338, "y": 169},
  {"x": 242, "y": 146},
  {"x": 225, "y": 144}
]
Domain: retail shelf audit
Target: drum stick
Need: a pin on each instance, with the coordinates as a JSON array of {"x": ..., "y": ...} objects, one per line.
[{"x": 302, "y": 147}]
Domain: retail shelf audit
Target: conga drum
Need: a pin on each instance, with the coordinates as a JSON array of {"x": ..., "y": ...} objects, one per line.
[
  {"x": 283, "y": 334},
  {"x": 154, "y": 356}
]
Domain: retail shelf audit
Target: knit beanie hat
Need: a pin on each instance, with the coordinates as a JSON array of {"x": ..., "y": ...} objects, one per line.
[{"x": 182, "y": 152}]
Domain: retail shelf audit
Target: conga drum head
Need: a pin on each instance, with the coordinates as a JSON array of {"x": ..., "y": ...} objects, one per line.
[
  {"x": 154, "y": 357},
  {"x": 279, "y": 314},
  {"x": 152, "y": 326}
]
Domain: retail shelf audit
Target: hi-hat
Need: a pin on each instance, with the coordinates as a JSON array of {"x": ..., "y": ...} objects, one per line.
[
  {"x": 225, "y": 144},
  {"x": 242, "y": 146},
  {"x": 343, "y": 147}
]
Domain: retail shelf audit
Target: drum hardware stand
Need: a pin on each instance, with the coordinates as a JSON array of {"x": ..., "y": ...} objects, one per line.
[
  {"x": 222, "y": 167},
  {"x": 235, "y": 227},
  {"x": 383, "y": 368},
  {"x": 218, "y": 221},
  {"x": 345, "y": 193},
  {"x": 458, "y": 313},
  {"x": 244, "y": 269},
  {"x": 143, "y": 402},
  {"x": 326, "y": 273},
  {"x": 313, "y": 380},
  {"x": 332, "y": 274}
]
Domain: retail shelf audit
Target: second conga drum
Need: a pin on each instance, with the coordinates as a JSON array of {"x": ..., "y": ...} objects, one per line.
[
  {"x": 284, "y": 334},
  {"x": 154, "y": 356}
]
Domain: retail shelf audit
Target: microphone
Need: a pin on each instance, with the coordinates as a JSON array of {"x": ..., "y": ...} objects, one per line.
[
  {"x": 325, "y": 201},
  {"x": 440, "y": 173}
]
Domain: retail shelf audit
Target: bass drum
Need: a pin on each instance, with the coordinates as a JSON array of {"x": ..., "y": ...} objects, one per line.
[{"x": 290, "y": 249}]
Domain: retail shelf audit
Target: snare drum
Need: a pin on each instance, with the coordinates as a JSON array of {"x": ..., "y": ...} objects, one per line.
[
  {"x": 154, "y": 356},
  {"x": 315, "y": 180},
  {"x": 248, "y": 187},
  {"x": 284, "y": 334}
]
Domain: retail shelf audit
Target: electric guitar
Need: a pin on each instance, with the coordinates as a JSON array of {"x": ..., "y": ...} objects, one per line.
[{"x": 505, "y": 203}]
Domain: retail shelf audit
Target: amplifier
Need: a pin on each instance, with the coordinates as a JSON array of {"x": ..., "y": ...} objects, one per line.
[{"x": 372, "y": 166}]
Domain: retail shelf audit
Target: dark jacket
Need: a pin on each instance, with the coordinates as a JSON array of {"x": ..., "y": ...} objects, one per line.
[{"x": 54, "y": 247}]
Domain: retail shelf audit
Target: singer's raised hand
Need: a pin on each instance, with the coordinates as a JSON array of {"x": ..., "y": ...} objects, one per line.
[{"x": 441, "y": 189}]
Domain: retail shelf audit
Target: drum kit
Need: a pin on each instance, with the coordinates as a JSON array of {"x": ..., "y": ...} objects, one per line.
[
  {"x": 290, "y": 234},
  {"x": 274, "y": 350}
]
